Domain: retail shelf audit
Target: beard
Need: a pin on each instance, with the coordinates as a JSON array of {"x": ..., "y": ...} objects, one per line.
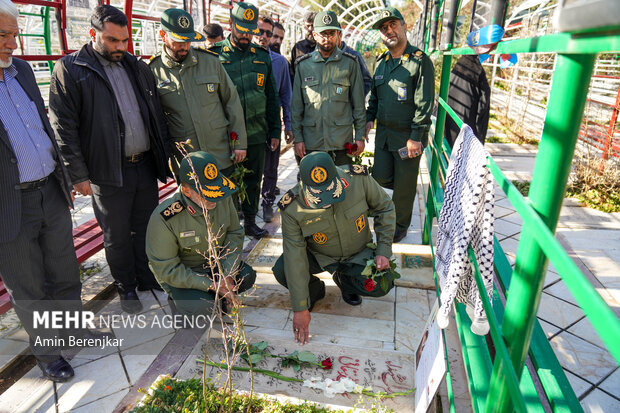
[
  {"x": 240, "y": 42},
  {"x": 178, "y": 56},
  {"x": 275, "y": 47},
  {"x": 327, "y": 48},
  {"x": 4, "y": 64},
  {"x": 110, "y": 56}
]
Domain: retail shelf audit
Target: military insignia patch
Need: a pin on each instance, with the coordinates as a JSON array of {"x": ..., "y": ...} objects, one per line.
[
  {"x": 183, "y": 22},
  {"x": 210, "y": 171},
  {"x": 187, "y": 234},
  {"x": 248, "y": 14},
  {"x": 172, "y": 210},
  {"x": 286, "y": 200},
  {"x": 358, "y": 170},
  {"x": 253, "y": 50},
  {"x": 419, "y": 53},
  {"x": 191, "y": 210},
  {"x": 320, "y": 238},
  {"x": 345, "y": 183},
  {"x": 402, "y": 94},
  {"x": 308, "y": 79},
  {"x": 327, "y": 19},
  {"x": 406, "y": 57},
  {"x": 339, "y": 90},
  {"x": 226, "y": 49},
  {"x": 378, "y": 77},
  {"x": 386, "y": 13},
  {"x": 210, "y": 87},
  {"x": 360, "y": 223},
  {"x": 260, "y": 79},
  {"x": 318, "y": 175}
]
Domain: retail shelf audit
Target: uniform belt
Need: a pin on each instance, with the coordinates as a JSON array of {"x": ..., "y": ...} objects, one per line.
[
  {"x": 136, "y": 157},
  {"x": 24, "y": 186}
]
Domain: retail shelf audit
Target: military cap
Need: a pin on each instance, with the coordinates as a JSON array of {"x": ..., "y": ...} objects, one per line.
[
  {"x": 212, "y": 184},
  {"x": 320, "y": 183},
  {"x": 245, "y": 17},
  {"x": 326, "y": 20},
  {"x": 180, "y": 25},
  {"x": 389, "y": 13}
]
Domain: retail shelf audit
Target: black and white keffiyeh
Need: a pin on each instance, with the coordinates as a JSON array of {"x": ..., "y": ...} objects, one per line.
[{"x": 466, "y": 218}]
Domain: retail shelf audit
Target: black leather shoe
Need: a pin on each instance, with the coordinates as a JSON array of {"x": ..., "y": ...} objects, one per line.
[
  {"x": 267, "y": 213},
  {"x": 59, "y": 370},
  {"x": 251, "y": 229},
  {"x": 276, "y": 191},
  {"x": 130, "y": 302},
  {"x": 318, "y": 298},
  {"x": 399, "y": 234},
  {"x": 351, "y": 299}
]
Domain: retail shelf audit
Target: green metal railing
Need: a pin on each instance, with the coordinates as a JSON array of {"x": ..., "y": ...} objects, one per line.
[{"x": 503, "y": 384}]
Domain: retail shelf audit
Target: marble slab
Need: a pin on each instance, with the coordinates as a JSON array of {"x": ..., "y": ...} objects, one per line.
[
  {"x": 612, "y": 383},
  {"x": 264, "y": 254},
  {"x": 558, "y": 312},
  {"x": 585, "y": 330},
  {"x": 415, "y": 265},
  {"x": 267, "y": 334},
  {"x": 384, "y": 371},
  {"x": 412, "y": 311},
  {"x": 31, "y": 393},
  {"x": 265, "y": 317},
  {"x": 343, "y": 326},
  {"x": 582, "y": 358}
]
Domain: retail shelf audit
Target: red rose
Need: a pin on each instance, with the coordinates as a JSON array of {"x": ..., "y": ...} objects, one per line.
[
  {"x": 348, "y": 148},
  {"x": 354, "y": 148},
  {"x": 326, "y": 364},
  {"x": 369, "y": 285},
  {"x": 234, "y": 136}
]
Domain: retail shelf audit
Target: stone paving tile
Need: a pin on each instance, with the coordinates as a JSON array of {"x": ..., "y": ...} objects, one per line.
[
  {"x": 582, "y": 358},
  {"x": 558, "y": 312},
  {"x": 509, "y": 245},
  {"x": 105, "y": 404},
  {"x": 585, "y": 330},
  {"x": 31, "y": 393},
  {"x": 549, "y": 329},
  {"x": 580, "y": 386},
  {"x": 344, "y": 326},
  {"x": 149, "y": 328},
  {"x": 138, "y": 359},
  {"x": 92, "y": 381},
  {"x": 9, "y": 349},
  {"x": 560, "y": 290},
  {"x": 551, "y": 277},
  {"x": 506, "y": 228},
  {"x": 612, "y": 384},
  {"x": 261, "y": 333},
  {"x": 600, "y": 402}
]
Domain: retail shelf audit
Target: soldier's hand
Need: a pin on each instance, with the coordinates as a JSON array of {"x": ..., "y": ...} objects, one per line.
[
  {"x": 360, "y": 148},
  {"x": 414, "y": 148},
  {"x": 369, "y": 126},
  {"x": 300, "y": 149},
  {"x": 382, "y": 262},
  {"x": 227, "y": 290},
  {"x": 274, "y": 144},
  {"x": 288, "y": 136},
  {"x": 301, "y": 323},
  {"x": 240, "y": 155},
  {"x": 83, "y": 188}
]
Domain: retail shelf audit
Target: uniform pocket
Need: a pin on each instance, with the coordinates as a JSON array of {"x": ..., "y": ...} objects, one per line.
[
  {"x": 207, "y": 89},
  {"x": 308, "y": 230},
  {"x": 341, "y": 90},
  {"x": 312, "y": 91}
]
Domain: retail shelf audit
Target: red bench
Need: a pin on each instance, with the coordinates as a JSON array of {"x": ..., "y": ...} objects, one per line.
[{"x": 87, "y": 240}]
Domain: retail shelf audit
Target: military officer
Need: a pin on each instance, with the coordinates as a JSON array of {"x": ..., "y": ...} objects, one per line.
[
  {"x": 325, "y": 227},
  {"x": 328, "y": 96},
  {"x": 401, "y": 100},
  {"x": 249, "y": 67},
  {"x": 177, "y": 239},
  {"x": 199, "y": 99}
]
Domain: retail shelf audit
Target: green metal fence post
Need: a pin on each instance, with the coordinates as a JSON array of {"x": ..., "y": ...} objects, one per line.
[
  {"x": 47, "y": 39},
  {"x": 555, "y": 154}
]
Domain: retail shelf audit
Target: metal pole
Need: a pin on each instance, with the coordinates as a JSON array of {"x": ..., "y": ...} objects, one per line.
[
  {"x": 424, "y": 25},
  {"x": 612, "y": 127},
  {"x": 434, "y": 17},
  {"x": 47, "y": 41},
  {"x": 129, "y": 13},
  {"x": 498, "y": 12},
  {"x": 555, "y": 154},
  {"x": 451, "y": 27}
]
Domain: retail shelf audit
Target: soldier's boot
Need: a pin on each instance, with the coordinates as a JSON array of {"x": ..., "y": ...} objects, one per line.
[
  {"x": 267, "y": 213},
  {"x": 251, "y": 229},
  {"x": 351, "y": 298},
  {"x": 399, "y": 234}
]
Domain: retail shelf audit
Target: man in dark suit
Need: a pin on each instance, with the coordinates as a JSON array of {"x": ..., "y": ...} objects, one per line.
[
  {"x": 37, "y": 258},
  {"x": 111, "y": 130}
]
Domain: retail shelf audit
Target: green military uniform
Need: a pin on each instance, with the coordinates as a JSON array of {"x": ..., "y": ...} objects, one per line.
[
  {"x": 251, "y": 72},
  {"x": 401, "y": 100},
  {"x": 328, "y": 98},
  {"x": 201, "y": 103},
  {"x": 177, "y": 238},
  {"x": 335, "y": 238}
]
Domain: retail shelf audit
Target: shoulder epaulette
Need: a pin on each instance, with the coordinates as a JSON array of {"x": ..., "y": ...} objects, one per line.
[
  {"x": 153, "y": 58},
  {"x": 382, "y": 55},
  {"x": 202, "y": 49},
  {"x": 286, "y": 200},
  {"x": 358, "y": 169},
  {"x": 418, "y": 54},
  {"x": 303, "y": 57},
  {"x": 351, "y": 55},
  {"x": 174, "y": 208}
]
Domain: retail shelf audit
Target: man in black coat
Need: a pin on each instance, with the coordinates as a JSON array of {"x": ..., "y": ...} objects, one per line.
[
  {"x": 37, "y": 260},
  {"x": 469, "y": 95},
  {"x": 305, "y": 45},
  {"x": 105, "y": 110}
]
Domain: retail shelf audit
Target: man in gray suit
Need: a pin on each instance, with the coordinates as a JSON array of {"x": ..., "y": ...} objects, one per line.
[{"x": 37, "y": 258}]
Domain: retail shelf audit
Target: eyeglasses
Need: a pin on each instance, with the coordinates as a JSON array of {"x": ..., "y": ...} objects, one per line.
[
  {"x": 267, "y": 33},
  {"x": 328, "y": 33}
]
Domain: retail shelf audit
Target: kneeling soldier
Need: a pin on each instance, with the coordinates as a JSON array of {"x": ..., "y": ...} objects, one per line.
[
  {"x": 325, "y": 227},
  {"x": 177, "y": 239}
]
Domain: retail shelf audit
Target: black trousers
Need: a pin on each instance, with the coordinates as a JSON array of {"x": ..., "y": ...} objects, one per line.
[
  {"x": 255, "y": 162},
  {"x": 39, "y": 266},
  {"x": 123, "y": 214},
  {"x": 270, "y": 176}
]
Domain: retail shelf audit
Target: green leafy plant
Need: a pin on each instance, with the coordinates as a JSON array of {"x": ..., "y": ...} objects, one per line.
[
  {"x": 376, "y": 277},
  {"x": 298, "y": 359}
]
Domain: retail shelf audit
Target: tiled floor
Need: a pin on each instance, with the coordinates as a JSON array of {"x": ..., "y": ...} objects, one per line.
[{"x": 391, "y": 324}]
